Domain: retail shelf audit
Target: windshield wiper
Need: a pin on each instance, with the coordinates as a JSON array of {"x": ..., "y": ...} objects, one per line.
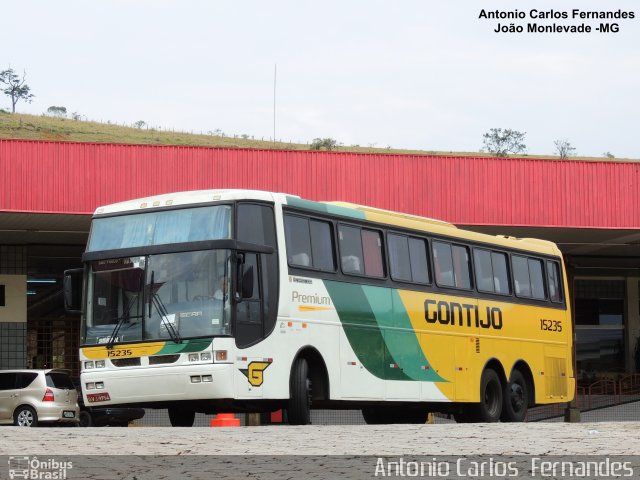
[
  {"x": 164, "y": 314},
  {"x": 125, "y": 316}
]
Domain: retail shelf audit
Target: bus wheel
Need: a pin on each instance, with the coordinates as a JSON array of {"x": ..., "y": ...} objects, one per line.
[
  {"x": 373, "y": 416},
  {"x": 181, "y": 417},
  {"x": 85, "y": 419},
  {"x": 299, "y": 407},
  {"x": 490, "y": 406},
  {"x": 515, "y": 399}
]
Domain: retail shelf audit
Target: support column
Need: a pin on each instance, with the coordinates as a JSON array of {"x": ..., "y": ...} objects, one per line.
[
  {"x": 632, "y": 324},
  {"x": 13, "y": 307},
  {"x": 572, "y": 412}
]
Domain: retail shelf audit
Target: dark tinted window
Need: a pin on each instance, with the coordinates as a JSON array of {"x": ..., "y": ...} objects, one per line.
[
  {"x": 309, "y": 243},
  {"x": 59, "y": 380},
  {"x": 350, "y": 250},
  {"x": 399, "y": 261},
  {"x": 322, "y": 245},
  {"x": 372, "y": 251},
  {"x": 7, "y": 381},
  {"x": 298, "y": 239},
  {"x": 255, "y": 224},
  {"x": 484, "y": 271},
  {"x": 443, "y": 264},
  {"x": 419, "y": 262},
  {"x": 491, "y": 271},
  {"x": 408, "y": 259},
  {"x": 528, "y": 277},
  {"x": 2, "y": 304},
  {"x": 553, "y": 277},
  {"x": 461, "y": 266},
  {"x": 360, "y": 251},
  {"x": 26, "y": 378},
  {"x": 452, "y": 265},
  {"x": 537, "y": 279},
  {"x": 500, "y": 273},
  {"x": 521, "y": 276}
]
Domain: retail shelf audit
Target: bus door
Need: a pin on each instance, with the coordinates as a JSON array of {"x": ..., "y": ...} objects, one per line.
[{"x": 249, "y": 325}]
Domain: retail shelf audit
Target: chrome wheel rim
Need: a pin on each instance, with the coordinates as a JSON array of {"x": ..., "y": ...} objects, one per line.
[{"x": 25, "y": 418}]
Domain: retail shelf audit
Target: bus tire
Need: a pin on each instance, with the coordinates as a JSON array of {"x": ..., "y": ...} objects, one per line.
[
  {"x": 85, "y": 419},
  {"x": 181, "y": 417},
  {"x": 299, "y": 408},
  {"x": 515, "y": 398},
  {"x": 490, "y": 407},
  {"x": 372, "y": 416}
]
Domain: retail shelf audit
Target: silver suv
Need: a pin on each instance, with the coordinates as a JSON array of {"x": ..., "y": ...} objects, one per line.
[{"x": 29, "y": 397}]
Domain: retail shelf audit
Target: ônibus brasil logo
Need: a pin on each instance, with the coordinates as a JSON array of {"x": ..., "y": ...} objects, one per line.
[{"x": 36, "y": 469}]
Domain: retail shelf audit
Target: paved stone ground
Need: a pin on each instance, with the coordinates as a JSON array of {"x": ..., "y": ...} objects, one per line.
[{"x": 614, "y": 438}]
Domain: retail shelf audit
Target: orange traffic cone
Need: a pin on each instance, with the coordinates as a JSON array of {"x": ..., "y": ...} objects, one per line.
[{"x": 225, "y": 420}]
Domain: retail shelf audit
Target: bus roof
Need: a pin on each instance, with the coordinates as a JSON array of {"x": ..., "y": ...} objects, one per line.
[{"x": 337, "y": 208}]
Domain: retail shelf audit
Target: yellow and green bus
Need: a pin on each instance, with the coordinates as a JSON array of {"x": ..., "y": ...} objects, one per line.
[{"x": 250, "y": 301}]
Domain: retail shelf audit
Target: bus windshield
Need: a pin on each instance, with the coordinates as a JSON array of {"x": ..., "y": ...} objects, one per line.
[
  {"x": 160, "y": 228},
  {"x": 158, "y": 297}
]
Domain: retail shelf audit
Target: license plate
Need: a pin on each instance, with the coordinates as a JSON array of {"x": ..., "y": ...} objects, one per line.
[
  {"x": 98, "y": 397},
  {"x": 69, "y": 414}
]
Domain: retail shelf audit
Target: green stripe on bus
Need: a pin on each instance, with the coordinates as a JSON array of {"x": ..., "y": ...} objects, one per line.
[
  {"x": 363, "y": 330},
  {"x": 195, "y": 345},
  {"x": 400, "y": 338},
  {"x": 325, "y": 208}
]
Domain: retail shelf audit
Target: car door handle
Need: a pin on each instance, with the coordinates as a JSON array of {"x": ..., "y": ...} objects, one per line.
[{"x": 14, "y": 395}]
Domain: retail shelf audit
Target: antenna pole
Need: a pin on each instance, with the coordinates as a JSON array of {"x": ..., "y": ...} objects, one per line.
[{"x": 275, "y": 77}]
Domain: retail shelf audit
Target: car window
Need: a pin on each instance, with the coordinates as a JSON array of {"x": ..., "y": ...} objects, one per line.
[
  {"x": 26, "y": 378},
  {"x": 59, "y": 380},
  {"x": 7, "y": 381}
]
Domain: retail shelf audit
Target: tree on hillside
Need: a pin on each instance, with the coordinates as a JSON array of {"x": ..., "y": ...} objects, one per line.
[
  {"x": 501, "y": 142},
  {"x": 60, "y": 112},
  {"x": 15, "y": 87},
  {"x": 323, "y": 143},
  {"x": 564, "y": 148}
]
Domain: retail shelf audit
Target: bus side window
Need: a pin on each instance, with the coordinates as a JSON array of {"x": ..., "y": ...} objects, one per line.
[
  {"x": 500, "y": 273},
  {"x": 528, "y": 277},
  {"x": 452, "y": 265},
  {"x": 350, "y": 249},
  {"x": 309, "y": 243},
  {"x": 553, "y": 277},
  {"x": 298, "y": 238},
  {"x": 537, "y": 278}
]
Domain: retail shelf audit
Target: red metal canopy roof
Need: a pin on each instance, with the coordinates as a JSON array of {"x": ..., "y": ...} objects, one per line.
[{"x": 62, "y": 177}]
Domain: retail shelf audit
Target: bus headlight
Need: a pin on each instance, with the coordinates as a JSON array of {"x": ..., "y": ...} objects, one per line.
[
  {"x": 205, "y": 356},
  {"x": 88, "y": 365},
  {"x": 193, "y": 357},
  {"x": 99, "y": 363}
]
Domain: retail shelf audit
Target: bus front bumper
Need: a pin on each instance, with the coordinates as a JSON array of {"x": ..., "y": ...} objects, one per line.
[{"x": 157, "y": 384}]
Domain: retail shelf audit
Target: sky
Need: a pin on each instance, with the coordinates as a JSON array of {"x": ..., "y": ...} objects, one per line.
[{"x": 414, "y": 74}]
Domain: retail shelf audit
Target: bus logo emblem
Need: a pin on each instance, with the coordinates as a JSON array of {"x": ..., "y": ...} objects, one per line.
[{"x": 254, "y": 374}]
